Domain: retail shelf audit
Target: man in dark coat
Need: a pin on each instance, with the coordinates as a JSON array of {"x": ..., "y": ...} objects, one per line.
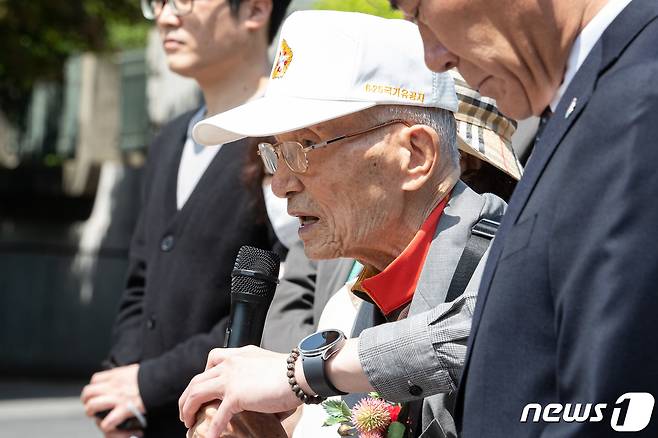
[
  {"x": 563, "y": 337},
  {"x": 197, "y": 212}
]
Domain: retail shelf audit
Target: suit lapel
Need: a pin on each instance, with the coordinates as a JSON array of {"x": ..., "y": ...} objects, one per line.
[
  {"x": 208, "y": 181},
  {"x": 174, "y": 148},
  {"x": 612, "y": 44}
]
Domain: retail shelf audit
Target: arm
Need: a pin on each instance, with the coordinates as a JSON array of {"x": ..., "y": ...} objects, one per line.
[
  {"x": 436, "y": 340},
  {"x": 162, "y": 379},
  {"x": 254, "y": 379},
  {"x": 116, "y": 388},
  {"x": 290, "y": 317},
  {"x": 127, "y": 332}
]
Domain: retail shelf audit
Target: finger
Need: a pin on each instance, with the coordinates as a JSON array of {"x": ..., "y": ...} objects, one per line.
[
  {"x": 216, "y": 356},
  {"x": 199, "y": 394},
  {"x": 124, "y": 434},
  {"x": 94, "y": 390},
  {"x": 285, "y": 414},
  {"x": 199, "y": 429},
  {"x": 220, "y": 420},
  {"x": 195, "y": 433},
  {"x": 203, "y": 419},
  {"x": 99, "y": 404},
  {"x": 102, "y": 376},
  {"x": 199, "y": 378},
  {"x": 209, "y": 409},
  {"x": 219, "y": 355},
  {"x": 114, "y": 418}
]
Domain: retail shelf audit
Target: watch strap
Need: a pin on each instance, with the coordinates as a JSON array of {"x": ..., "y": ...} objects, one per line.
[{"x": 316, "y": 377}]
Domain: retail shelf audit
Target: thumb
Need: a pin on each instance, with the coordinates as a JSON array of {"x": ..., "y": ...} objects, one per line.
[{"x": 222, "y": 417}]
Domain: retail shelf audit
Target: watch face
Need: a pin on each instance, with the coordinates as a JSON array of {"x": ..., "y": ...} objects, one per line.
[{"x": 318, "y": 341}]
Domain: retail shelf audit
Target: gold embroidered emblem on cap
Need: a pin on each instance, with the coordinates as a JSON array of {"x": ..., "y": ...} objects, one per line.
[
  {"x": 283, "y": 60},
  {"x": 395, "y": 91}
]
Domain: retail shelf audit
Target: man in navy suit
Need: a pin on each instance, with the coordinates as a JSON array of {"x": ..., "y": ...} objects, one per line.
[{"x": 567, "y": 313}]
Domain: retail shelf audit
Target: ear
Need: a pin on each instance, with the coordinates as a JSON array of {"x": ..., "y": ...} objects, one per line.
[
  {"x": 421, "y": 155},
  {"x": 255, "y": 14}
]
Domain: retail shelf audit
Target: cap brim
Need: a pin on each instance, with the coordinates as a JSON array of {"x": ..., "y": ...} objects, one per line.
[
  {"x": 271, "y": 115},
  {"x": 498, "y": 153}
]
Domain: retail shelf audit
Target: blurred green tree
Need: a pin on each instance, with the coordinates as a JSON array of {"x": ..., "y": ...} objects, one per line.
[
  {"x": 36, "y": 37},
  {"x": 381, "y": 8}
]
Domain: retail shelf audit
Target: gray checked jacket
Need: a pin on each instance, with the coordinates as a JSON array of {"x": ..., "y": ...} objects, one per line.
[{"x": 421, "y": 357}]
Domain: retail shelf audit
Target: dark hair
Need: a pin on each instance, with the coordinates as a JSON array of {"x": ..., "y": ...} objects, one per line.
[
  {"x": 488, "y": 179},
  {"x": 279, "y": 8}
]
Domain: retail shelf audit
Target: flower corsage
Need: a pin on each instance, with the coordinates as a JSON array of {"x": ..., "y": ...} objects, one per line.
[{"x": 371, "y": 417}]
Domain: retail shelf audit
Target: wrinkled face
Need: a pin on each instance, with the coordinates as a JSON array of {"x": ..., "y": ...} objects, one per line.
[
  {"x": 495, "y": 45},
  {"x": 202, "y": 40},
  {"x": 349, "y": 200}
]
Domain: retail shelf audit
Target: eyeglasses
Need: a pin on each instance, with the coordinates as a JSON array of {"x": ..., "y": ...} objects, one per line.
[
  {"x": 294, "y": 154},
  {"x": 151, "y": 9}
]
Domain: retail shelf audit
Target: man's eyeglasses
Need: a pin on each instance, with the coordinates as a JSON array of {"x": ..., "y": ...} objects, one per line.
[
  {"x": 294, "y": 154},
  {"x": 151, "y": 9}
]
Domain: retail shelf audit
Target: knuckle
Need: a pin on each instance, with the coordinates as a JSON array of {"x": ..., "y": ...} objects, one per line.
[
  {"x": 194, "y": 395},
  {"x": 195, "y": 379}
]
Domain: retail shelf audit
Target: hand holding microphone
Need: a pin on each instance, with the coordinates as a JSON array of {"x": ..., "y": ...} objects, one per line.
[{"x": 258, "y": 375}]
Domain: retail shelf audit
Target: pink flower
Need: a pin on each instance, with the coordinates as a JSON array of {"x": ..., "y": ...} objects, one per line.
[
  {"x": 371, "y": 435},
  {"x": 371, "y": 416}
]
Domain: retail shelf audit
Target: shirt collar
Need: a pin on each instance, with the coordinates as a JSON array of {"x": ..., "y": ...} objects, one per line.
[
  {"x": 196, "y": 118},
  {"x": 585, "y": 41},
  {"x": 394, "y": 287}
]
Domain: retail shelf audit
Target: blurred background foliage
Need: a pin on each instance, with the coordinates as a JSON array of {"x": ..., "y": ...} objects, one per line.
[
  {"x": 36, "y": 37},
  {"x": 381, "y": 8}
]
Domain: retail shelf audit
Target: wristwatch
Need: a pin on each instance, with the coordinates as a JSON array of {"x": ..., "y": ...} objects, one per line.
[{"x": 315, "y": 350}]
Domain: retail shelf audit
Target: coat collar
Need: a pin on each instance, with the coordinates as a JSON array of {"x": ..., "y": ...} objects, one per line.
[{"x": 452, "y": 232}]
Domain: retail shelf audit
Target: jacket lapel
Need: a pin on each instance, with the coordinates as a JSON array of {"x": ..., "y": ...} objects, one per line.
[
  {"x": 174, "y": 148},
  {"x": 450, "y": 237}
]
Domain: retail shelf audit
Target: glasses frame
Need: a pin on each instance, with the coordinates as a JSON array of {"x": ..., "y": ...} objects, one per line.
[
  {"x": 145, "y": 6},
  {"x": 276, "y": 147}
]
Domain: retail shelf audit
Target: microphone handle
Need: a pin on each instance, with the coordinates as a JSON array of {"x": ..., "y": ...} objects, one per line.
[{"x": 248, "y": 314}]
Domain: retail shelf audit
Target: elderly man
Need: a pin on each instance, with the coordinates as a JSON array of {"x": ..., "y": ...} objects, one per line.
[
  {"x": 567, "y": 307},
  {"x": 367, "y": 159}
]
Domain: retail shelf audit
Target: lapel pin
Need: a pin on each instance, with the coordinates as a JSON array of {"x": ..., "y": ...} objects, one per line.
[{"x": 572, "y": 107}]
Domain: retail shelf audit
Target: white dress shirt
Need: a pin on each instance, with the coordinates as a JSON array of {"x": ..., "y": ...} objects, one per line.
[
  {"x": 586, "y": 40},
  {"x": 194, "y": 162}
]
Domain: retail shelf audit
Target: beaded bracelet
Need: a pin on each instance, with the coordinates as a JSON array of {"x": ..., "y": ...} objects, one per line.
[{"x": 296, "y": 389}]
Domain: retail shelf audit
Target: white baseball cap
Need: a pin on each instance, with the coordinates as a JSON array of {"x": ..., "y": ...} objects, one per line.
[{"x": 330, "y": 64}]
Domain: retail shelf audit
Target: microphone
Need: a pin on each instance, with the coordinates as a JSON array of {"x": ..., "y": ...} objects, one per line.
[{"x": 253, "y": 281}]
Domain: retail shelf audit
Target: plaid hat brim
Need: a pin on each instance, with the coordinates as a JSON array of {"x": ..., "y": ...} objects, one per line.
[
  {"x": 483, "y": 131},
  {"x": 490, "y": 147}
]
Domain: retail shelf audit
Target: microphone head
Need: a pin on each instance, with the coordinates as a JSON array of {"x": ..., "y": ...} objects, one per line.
[{"x": 256, "y": 271}]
